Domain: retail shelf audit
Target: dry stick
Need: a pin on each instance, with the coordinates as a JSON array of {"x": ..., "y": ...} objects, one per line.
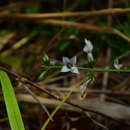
[
  {"x": 66, "y": 14},
  {"x": 91, "y": 91},
  {"x": 50, "y": 45},
  {"x": 26, "y": 80},
  {"x": 73, "y": 24},
  {"x": 106, "y": 74},
  {"x": 83, "y": 26},
  {"x": 114, "y": 110},
  {"x": 38, "y": 101},
  {"x": 96, "y": 122}
]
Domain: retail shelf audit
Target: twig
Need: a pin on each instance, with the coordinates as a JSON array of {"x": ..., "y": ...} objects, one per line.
[
  {"x": 83, "y": 26},
  {"x": 66, "y": 14},
  {"x": 95, "y": 122},
  {"x": 114, "y": 110},
  {"x": 91, "y": 91},
  {"x": 106, "y": 74},
  {"x": 25, "y": 80},
  {"x": 41, "y": 104},
  {"x": 50, "y": 45}
]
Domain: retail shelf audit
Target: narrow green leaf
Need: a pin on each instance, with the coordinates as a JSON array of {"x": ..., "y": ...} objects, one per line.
[
  {"x": 43, "y": 75},
  {"x": 12, "y": 108},
  {"x": 55, "y": 110}
]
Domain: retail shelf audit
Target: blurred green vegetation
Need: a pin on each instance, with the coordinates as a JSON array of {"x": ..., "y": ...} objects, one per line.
[
  {"x": 101, "y": 41},
  {"x": 23, "y": 43}
]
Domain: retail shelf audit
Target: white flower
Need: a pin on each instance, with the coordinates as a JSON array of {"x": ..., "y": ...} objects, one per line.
[
  {"x": 88, "y": 49},
  {"x": 88, "y": 46},
  {"x": 70, "y": 65},
  {"x": 83, "y": 87},
  {"x": 116, "y": 64}
]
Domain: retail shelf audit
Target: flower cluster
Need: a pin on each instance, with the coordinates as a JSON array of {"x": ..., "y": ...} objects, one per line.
[
  {"x": 88, "y": 48},
  {"x": 69, "y": 64}
]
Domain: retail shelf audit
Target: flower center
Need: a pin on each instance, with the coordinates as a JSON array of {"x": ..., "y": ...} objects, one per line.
[{"x": 69, "y": 65}]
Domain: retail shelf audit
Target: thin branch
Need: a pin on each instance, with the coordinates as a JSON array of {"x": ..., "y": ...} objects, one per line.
[
  {"x": 66, "y": 14},
  {"x": 108, "y": 56},
  {"x": 25, "y": 80},
  {"x": 84, "y": 27},
  {"x": 96, "y": 122},
  {"x": 114, "y": 110},
  {"x": 91, "y": 91},
  {"x": 38, "y": 101}
]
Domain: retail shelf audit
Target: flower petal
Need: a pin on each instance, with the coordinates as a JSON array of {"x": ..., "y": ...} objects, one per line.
[
  {"x": 90, "y": 57},
  {"x": 82, "y": 88},
  {"x": 73, "y": 60},
  {"x": 74, "y": 70},
  {"x": 85, "y": 49},
  {"x": 88, "y": 46},
  {"x": 66, "y": 60},
  {"x": 65, "y": 69},
  {"x": 53, "y": 62},
  {"x": 116, "y": 64}
]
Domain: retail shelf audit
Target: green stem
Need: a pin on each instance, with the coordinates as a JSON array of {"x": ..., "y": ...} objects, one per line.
[{"x": 93, "y": 69}]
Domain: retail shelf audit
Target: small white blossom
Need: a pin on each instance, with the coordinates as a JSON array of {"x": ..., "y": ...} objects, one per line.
[
  {"x": 88, "y": 48},
  {"x": 65, "y": 69},
  {"x": 116, "y": 64},
  {"x": 83, "y": 87},
  {"x": 70, "y": 65}
]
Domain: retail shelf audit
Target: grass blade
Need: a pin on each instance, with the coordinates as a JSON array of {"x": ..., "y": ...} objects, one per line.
[
  {"x": 12, "y": 108},
  {"x": 60, "y": 105}
]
